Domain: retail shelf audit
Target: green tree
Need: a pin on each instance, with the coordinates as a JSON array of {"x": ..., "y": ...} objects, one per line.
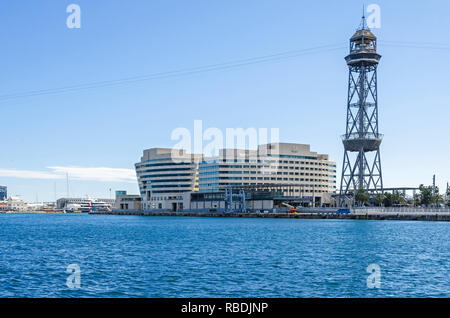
[
  {"x": 425, "y": 195},
  {"x": 399, "y": 198},
  {"x": 438, "y": 199},
  {"x": 388, "y": 200},
  {"x": 430, "y": 195},
  {"x": 416, "y": 199},
  {"x": 393, "y": 199},
  {"x": 362, "y": 197},
  {"x": 448, "y": 197},
  {"x": 379, "y": 199}
]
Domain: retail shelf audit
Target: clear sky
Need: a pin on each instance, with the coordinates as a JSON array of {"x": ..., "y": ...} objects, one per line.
[{"x": 81, "y": 131}]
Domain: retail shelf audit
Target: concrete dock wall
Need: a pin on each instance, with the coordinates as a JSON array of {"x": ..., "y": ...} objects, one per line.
[{"x": 369, "y": 215}]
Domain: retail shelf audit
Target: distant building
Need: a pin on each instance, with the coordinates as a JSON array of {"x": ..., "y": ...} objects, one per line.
[
  {"x": 15, "y": 204},
  {"x": 3, "y": 193},
  {"x": 40, "y": 206},
  {"x": 304, "y": 173},
  {"x": 163, "y": 180},
  {"x": 292, "y": 169},
  {"x": 128, "y": 202},
  {"x": 120, "y": 192}
]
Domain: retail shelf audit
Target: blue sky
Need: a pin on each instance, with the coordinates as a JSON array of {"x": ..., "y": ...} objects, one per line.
[{"x": 304, "y": 96}]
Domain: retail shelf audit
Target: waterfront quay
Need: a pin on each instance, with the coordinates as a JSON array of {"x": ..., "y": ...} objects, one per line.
[{"x": 395, "y": 214}]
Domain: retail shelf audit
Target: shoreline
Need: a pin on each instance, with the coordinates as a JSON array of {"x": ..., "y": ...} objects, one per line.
[
  {"x": 374, "y": 216},
  {"x": 428, "y": 216}
]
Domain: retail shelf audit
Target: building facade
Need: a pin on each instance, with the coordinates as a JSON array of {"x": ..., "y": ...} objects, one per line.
[
  {"x": 120, "y": 192},
  {"x": 293, "y": 169},
  {"x": 164, "y": 175},
  {"x": 302, "y": 173},
  {"x": 128, "y": 202},
  {"x": 3, "y": 193},
  {"x": 15, "y": 204}
]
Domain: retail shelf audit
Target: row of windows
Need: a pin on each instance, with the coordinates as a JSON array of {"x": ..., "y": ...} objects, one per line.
[
  {"x": 266, "y": 179},
  {"x": 163, "y": 170},
  {"x": 180, "y": 197},
  {"x": 168, "y": 164},
  {"x": 209, "y": 179},
  {"x": 167, "y": 175},
  {"x": 303, "y": 188},
  {"x": 169, "y": 186},
  {"x": 232, "y": 160},
  {"x": 294, "y": 157},
  {"x": 209, "y": 167},
  {"x": 213, "y": 169},
  {"x": 130, "y": 199},
  {"x": 159, "y": 159},
  {"x": 203, "y": 167},
  {"x": 209, "y": 173},
  {"x": 167, "y": 180},
  {"x": 171, "y": 191},
  {"x": 271, "y": 174}
]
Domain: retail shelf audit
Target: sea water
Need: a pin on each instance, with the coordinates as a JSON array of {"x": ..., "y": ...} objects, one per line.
[{"x": 79, "y": 255}]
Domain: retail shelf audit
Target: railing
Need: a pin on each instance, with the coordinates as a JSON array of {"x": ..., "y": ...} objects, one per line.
[
  {"x": 400, "y": 210},
  {"x": 359, "y": 136}
]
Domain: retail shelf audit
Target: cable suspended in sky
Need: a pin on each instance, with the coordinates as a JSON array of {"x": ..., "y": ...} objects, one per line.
[
  {"x": 211, "y": 68},
  {"x": 176, "y": 73}
]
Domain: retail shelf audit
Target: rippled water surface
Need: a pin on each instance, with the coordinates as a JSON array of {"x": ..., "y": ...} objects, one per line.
[{"x": 128, "y": 256}]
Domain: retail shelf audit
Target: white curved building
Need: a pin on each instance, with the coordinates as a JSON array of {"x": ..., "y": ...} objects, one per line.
[{"x": 164, "y": 179}]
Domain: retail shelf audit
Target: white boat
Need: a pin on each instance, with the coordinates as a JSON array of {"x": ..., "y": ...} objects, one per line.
[{"x": 99, "y": 206}]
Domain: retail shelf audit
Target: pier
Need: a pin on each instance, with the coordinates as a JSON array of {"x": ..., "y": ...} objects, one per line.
[{"x": 407, "y": 214}]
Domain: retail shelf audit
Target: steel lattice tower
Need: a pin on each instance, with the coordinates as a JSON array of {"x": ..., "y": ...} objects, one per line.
[{"x": 362, "y": 163}]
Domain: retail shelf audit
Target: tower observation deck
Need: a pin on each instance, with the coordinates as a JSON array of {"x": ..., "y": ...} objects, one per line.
[{"x": 362, "y": 163}]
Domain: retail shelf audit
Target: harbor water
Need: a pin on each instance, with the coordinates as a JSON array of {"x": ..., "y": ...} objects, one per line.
[{"x": 137, "y": 256}]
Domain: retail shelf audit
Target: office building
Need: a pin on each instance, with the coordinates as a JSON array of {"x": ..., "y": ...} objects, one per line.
[
  {"x": 163, "y": 178},
  {"x": 3, "y": 193},
  {"x": 292, "y": 169}
]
